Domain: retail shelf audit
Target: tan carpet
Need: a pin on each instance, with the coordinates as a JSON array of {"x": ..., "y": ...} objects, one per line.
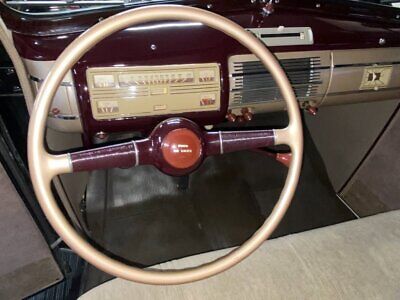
[
  {"x": 353, "y": 260},
  {"x": 26, "y": 263}
]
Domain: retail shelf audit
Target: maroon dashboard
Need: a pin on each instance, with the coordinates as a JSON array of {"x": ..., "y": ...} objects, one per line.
[{"x": 335, "y": 26}]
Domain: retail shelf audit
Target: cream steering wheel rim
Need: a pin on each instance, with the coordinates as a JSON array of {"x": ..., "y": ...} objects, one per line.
[{"x": 44, "y": 166}]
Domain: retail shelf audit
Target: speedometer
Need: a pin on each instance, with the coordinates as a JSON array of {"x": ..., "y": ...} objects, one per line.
[{"x": 135, "y": 79}]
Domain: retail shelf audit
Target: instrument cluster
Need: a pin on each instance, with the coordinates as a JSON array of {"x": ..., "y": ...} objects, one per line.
[{"x": 128, "y": 92}]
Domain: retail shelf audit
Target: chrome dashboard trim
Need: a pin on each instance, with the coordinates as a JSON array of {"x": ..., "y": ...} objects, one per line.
[
  {"x": 328, "y": 88},
  {"x": 221, "y": 144},
  {"x": 40, "y": 80},
  {"x": 380, "y": 63},
  {"x": 284, "y": 36},
  {"x": 64, "y": 117},
  {"x": 136, "y": 153}
]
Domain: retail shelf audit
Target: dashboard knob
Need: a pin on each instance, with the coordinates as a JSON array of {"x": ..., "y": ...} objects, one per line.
[
  {"x": 101, "y": 135},
  {"x": 248, "y": 116},
  {"x": 55, "y": 111},
  {"x": 312, "y": 110},
  {"x": 231, "y": 117},
  {"x": 268, "y": 8}
]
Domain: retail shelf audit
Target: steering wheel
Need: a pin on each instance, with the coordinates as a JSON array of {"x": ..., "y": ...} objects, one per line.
[{"x": 177, "y": 146}]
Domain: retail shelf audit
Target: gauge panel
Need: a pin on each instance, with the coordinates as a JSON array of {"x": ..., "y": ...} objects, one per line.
[{"x": 127, "y": 92}]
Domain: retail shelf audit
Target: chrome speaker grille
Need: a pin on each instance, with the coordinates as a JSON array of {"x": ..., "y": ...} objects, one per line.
[{"x": 252, "y": 83}]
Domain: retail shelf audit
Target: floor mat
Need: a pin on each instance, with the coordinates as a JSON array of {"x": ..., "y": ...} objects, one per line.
[
  {"x": 161, "y": 222},
  {"x": 141, "y": 217}
]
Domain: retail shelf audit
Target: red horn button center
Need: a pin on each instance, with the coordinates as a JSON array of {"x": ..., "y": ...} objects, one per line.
[{"x": 181, "y": 148}]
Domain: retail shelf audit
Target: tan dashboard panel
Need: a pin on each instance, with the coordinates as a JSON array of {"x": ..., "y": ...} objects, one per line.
[
  {"x": 123, "y": 92},
  {"x": 364, "y": 75}
]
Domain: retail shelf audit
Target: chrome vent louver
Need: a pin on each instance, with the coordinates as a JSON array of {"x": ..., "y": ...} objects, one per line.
[{"x": 252, "y": 83}]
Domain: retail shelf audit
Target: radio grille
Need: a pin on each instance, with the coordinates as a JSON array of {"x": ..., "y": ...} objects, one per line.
[{"x": 252, "y": 83}]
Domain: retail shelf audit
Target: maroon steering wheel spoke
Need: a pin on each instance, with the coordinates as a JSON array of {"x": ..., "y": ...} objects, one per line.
[
  {"x": 176, "y": 146},
  {"x": 222, "y": 142},
  {"x": 123, "y": 155}
]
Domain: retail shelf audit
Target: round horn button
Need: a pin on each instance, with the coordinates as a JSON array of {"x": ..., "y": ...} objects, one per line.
[{"x": 181, "y": 148}]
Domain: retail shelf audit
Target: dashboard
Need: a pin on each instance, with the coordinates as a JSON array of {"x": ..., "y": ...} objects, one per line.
[{"x": 332, "y": 53}]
